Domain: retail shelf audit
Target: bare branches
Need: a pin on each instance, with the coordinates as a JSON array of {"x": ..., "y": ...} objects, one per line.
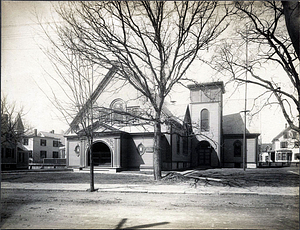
[
  {"x": 149, "y": 44},
  {"x": 266, "y": 35},
  {"x": 12, "y": 127}
]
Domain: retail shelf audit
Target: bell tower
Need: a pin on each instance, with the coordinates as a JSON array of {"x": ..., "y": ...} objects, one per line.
[{"x": 206, "y": 102}]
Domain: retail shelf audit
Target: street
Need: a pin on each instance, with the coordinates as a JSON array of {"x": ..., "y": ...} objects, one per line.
[{"x": 27, "y": 209}]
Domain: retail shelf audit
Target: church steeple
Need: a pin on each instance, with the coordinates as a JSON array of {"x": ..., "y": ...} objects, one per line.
[{"x": 187, "y": 122}]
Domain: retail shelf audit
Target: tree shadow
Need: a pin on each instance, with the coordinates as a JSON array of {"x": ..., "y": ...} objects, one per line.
[{"x": 122, "y": 222}]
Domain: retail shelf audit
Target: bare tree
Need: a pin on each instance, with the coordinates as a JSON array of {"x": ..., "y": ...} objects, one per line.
[
  {"x": 76, "y": 79},
  {"x": 12, "y": 127},
  {"x": 265, "y": 35},
  {"x": 150, "y": 43}
]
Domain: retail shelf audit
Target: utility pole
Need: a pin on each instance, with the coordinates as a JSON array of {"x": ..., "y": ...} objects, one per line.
[{"x": 245, "y": 106}]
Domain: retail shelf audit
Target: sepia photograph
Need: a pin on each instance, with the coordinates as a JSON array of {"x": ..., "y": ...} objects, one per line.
[{"x": 150, "y": 114}]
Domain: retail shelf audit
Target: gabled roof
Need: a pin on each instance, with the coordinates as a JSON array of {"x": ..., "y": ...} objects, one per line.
[
  {"x": 281, "y": 133},
  {"x": 19, "y": 124},
  {"x": 233, "y": 124},
  {"x": 95, "y": 95},
  {"x": 107, "y": 78}
]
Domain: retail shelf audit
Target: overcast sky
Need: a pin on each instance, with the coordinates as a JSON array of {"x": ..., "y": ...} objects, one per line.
[{"x": 23, "y": 76}]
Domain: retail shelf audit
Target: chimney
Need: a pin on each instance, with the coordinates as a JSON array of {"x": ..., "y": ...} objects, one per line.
[
  {"x": 35, "y": 132},
  {"x": 285, "y": 125},
  {"x": 52, "y": 131}
]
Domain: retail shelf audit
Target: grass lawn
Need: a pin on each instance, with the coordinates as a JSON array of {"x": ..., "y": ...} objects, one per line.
[{"x": 283, "y": 177}]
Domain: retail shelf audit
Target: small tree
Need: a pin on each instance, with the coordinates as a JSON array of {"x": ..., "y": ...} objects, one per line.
[
  {"x": 12, "y": 127},
  {"x": 264, "y": 32},
  {"x": 76, "y": 79},
  {"x": 150, "y": 43}
]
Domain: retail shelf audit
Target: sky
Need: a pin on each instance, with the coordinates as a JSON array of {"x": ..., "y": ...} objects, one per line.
[{"x": 24, "y": 81}]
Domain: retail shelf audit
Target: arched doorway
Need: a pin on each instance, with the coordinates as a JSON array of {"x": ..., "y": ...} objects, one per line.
[
  {"x": 101, "y": 155},
  {"x": 203, "y": 150}
]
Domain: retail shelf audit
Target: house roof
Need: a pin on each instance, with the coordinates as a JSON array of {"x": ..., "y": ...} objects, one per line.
[{"x": 281, "y": 133}]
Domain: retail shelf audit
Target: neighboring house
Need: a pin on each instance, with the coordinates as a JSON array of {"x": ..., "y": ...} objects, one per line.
[
  {"x": 122, "y": 141},
  {"x": 264, "y": 150},
  {"x": 287, "y": 142},
  {"x": 13, "y": 154},
  {"x": 44, "y": 145}
]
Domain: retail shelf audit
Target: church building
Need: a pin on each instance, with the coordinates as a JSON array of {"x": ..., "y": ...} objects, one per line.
[{"x": 122, "y": 140}]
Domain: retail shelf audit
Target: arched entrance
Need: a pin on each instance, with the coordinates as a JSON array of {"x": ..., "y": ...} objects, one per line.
[
  {"x": 203, "y": 150},
  {"x": 101, "y": 155}
]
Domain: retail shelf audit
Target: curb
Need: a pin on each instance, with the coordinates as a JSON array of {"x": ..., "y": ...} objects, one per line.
[{"x": 107, "y": 190}]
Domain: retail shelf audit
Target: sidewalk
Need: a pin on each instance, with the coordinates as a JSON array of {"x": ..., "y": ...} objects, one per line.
[{"x": 156, "y": 189}]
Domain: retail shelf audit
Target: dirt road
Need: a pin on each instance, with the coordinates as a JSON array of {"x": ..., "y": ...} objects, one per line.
[{"x": 108, "y": 210}]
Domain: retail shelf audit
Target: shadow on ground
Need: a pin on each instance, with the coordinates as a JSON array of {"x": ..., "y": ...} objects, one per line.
[{"x": 123, "y": 221}]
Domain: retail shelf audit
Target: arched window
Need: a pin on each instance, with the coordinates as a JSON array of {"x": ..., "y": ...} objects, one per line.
[
  {"x": 118, "y": 108},
  {"x": 204, "y": 118},
  {"x": 237, "y": 148}
]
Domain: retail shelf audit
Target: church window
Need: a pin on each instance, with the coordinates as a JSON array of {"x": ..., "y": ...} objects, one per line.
[
  {"x": 118, "y": 108},
  {"x": 133, "y": 114},
  {"x": 141, "y": 149},
  {"x": 237, "y": 145},
  {"x": 178, "y": 145},
  {"x": 204, "y": 120}
]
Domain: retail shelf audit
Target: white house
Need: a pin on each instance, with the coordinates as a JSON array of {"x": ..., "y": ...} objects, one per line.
[
  {"x": 287, "y": 141},
  {"x": 44, "y": 145}
]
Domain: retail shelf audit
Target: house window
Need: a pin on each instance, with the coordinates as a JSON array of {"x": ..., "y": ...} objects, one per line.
[
  {"x": 25, "y": 141},
  {"x": 279, "y": 156},
  {"x": 285, "y": 135},
  {"x": 21, "y": 157},
  {"x": 237, "y": 148},
  {"x": 55, "y": 154},
  {"x": 294, "y": 135},
  {"x": 55, "y": 143},
  {"x": 43, "y": 154},
  {"x": 283, "y": 144},
  {"x": 296, "y": 144},
  {"x": 10, "y": 153},
  {"x": 43, "y": 142},
  {"x": 204, "y": 120}
]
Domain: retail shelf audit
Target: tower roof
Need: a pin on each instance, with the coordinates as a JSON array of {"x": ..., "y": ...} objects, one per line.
[{"x": 210, "y": 85}]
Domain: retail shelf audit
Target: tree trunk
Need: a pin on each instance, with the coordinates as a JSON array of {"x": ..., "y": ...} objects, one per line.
[
  {"x": 292, "y": 20},
  {"x": 157, "y": 148}
]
